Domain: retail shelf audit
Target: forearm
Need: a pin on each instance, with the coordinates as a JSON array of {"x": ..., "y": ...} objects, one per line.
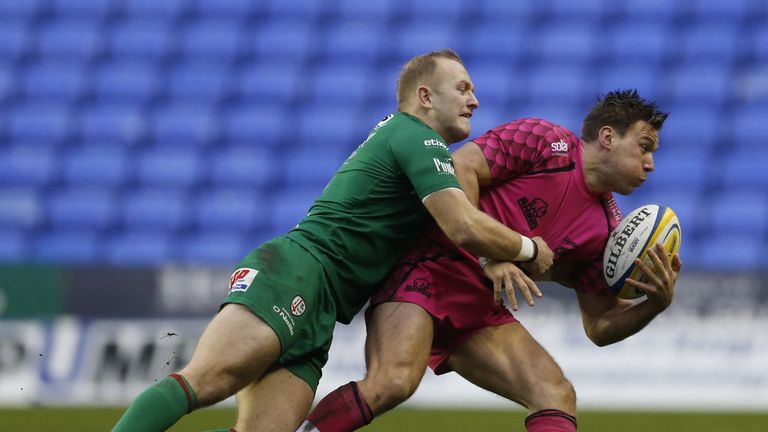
[
  {"x": 484, "y": 236},
  {"x": 620, "y": 322}
]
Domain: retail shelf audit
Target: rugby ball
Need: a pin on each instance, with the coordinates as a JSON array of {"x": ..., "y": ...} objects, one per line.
[{"x": 639, "y": 231}]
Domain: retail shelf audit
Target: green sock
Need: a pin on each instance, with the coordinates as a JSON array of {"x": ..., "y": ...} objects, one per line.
[
  {"x": 158, "y": 407},
  {"x": 220, "y": 430}
]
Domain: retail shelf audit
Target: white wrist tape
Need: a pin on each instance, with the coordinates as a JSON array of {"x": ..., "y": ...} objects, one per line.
[{"x": 528, "y": 250}]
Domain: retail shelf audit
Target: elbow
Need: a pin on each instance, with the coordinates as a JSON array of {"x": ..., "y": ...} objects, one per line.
[{"x": 599, "y": 338}]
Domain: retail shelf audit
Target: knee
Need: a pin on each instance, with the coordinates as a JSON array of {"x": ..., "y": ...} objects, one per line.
[
  {"x": 559, "y": 394},
  {"x": 211, "y": 388},
  {"x": 387, "y": 390}
]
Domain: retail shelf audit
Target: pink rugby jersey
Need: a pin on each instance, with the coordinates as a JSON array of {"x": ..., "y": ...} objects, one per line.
[{"x": 538, "y": 189}]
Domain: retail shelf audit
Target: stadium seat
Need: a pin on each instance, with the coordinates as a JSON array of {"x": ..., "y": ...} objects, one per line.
[
  {"x": 565, "y": 42},
  {"x": 420, "y": 36},
  {"x": 743, "y": 168},
  {"x": 488, "y": 45},
  {"x": 740, "y": 212},
  {"x": 198, "y": 81},
  {"x": 289, "y": 206},
  {"x": 355, "y": 39},
  {"x": 70, "y": 40},
  {"x": 235, "y": 209},
  {"x": 494, "y": 84},
  {"x": 718, "y": 41},
  {"x": 567, "y": 116},
  {"x": 140, "y": 248},
  {"x": 379, "y": 10},
  {"x": 169, "y": 167},
  {"x": 330, "y": 127},
  {"x": 90, "y": 9},
  {"x": 312, "y": 166},
  {"x": 7, "y": 85},
  {"x": 155, "y": 209},
  {"x": 505, "y": 10},
  {"x": 108, "y": 124},
  {"x": 39, "y": 123},
  {"x": 654, "y": 10},
  {"x": 745, "y": 121},
  {"x": 744, "y": 252},
  {"x": 564, "y": 84},
  {"x": 14, "y": 246},
  {"x": 90, "y": 208},
  {"x": 211, "y": 40},
  {"x": 231, "y": 9},
  {"x": 154, "y": 9},
  {"x": 446, "y": 10},
  {"x": 686, "y": 169},
  {"x": 54, "y": 82},
  {"x": 732, "y": 11},
  {"x": 643, "y": 41},
  {"x": 758, "y": 43},
  {"x": 186, "y": 125},
  {"x": 708, "y": 84},
  {"x": 298, "y": 10},
  {"x": 16, "y": 38},
  {"x": 284, "y": 40},
  {"x": 219, "y": 248},
  {"x": 339, "y": 83},
  {"x": 134, "y": 82},
  {"x": 24, "y": 165},
  {"x": 256, "y": 124},
  {"x": 644, "y": 78},
  {"x": 94, "y": 167},
  {"x": 694, "y": 127},
  {"x": 13, "y": 10},
  {"x": 246, "y": 166},
  {"x": 277, "y": 82},
  {"x": 141, "y": 39},
  {"x": 589, "y": 11},
  {"x": 20, "y": 208},
  {"x": 67, "y": 247}
]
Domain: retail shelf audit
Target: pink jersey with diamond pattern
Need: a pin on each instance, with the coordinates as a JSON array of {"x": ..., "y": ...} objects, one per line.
[{"x": 538, "y": 189}]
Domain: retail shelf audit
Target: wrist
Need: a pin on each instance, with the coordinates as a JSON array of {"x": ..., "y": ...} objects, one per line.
[{"x": 529, "y": 250}]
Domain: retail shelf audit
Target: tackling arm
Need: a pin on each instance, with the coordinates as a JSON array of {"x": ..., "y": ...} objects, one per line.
[{"x": 472, "y": 170}]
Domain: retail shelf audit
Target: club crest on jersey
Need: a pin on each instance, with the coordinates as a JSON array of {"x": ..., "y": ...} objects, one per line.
[
  {"x": 533, "y": 210},
  {"x": 241, "y": 279},
  {"x": 298, "y": 306}
]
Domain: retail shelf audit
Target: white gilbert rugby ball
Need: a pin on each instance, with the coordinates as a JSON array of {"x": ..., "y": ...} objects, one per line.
[{"x": 637, "y": 232}]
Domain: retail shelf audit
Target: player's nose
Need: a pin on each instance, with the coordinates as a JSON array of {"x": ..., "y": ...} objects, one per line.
[
  {"x": 648, "y": 164},
  {"x": 473, "y": 102}
]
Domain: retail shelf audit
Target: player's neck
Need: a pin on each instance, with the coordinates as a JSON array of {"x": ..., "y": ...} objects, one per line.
[{"x": 593, "y": 167}]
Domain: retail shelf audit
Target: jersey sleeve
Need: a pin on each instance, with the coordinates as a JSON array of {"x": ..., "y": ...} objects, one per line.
[
  {"x": 526, "y": 146},
  {"x": 425, "y": 160}
]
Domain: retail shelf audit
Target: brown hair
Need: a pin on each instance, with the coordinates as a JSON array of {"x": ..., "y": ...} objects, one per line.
[
  {"x": 419, "y": 68},
  {"x": 620, "y": 109}
]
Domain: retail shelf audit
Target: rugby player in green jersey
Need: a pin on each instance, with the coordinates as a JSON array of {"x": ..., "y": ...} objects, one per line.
[{"x": 272, "y": 334}]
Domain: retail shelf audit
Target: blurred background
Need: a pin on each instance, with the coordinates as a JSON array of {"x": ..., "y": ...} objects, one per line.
[{"x": 146, "y": 146}]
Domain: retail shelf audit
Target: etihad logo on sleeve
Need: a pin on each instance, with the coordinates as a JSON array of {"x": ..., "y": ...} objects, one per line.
[
  {"x": 444, "y": 167},
  {"x": 434, "y": 143}
]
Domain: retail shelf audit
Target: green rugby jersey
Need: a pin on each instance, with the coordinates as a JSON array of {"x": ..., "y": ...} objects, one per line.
[{"x": 371, "y": 211}]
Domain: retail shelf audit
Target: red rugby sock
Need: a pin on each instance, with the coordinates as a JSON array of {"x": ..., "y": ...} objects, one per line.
[
  {"x": 342, "y": 410},
  {"x": 550, "y": 420}
]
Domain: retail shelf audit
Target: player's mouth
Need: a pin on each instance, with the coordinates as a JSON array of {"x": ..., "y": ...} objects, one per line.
[{"x": 467, "y": 115}]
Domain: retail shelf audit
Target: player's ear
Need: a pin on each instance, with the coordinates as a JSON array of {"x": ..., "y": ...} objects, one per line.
[
  {"x": 425, "y": 96},
  {"x": 605, "y": 137}
]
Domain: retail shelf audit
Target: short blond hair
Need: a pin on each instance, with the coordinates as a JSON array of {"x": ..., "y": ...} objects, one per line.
[{"x": 419, "y": 68}]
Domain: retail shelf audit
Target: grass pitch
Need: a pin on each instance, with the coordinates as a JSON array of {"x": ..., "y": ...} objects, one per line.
[{"x": 402, "y": 420}]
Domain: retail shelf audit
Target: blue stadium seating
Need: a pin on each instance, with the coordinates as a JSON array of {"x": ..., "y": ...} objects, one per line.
[
  {"x": 169, "y": 167},
  {"x": 141, "y": 39},
  {"x": 89, "y": 208},
  {"x": 250, "y": 166},
  {"x": 134, "y": 132},
  {"x": 216, "y": 248},
  {"x": 39, "y": 123},
  {"x": 231, "y": 208},
  {"x": 133, "y": 82},
  {"x": 187, "y": 125},
  {"x": 20, "y": 208},
  {"x": 22, "y": 165},
  {"x": 14, "y": 247},
  {"x": 54, "y": 82},
  {"x": 140, "y": 248},
  {"x": 72, "y": 39},
  {"x": 16, "y": 39},
  {"x": 67, "y": 247},
  {"x": 152, "y": 208}
]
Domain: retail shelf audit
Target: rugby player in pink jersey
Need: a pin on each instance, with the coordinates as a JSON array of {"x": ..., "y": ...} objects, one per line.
[{"x": 441, "y": 306}]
